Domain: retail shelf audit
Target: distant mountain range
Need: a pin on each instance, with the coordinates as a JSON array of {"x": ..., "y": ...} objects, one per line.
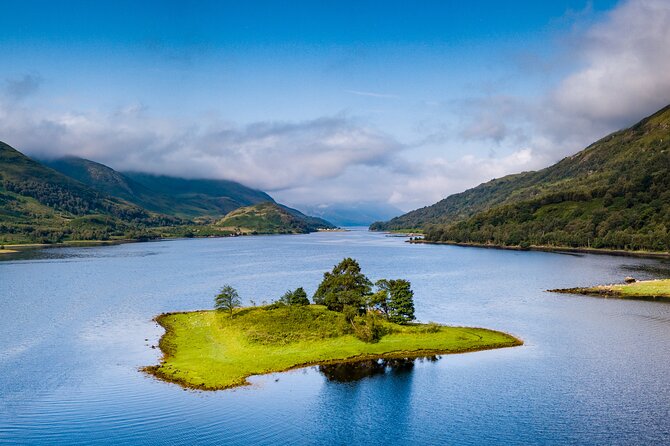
[
  {"x": 353, "y": 214},
  {"x": 78, "y": 199},
  {"x": 613, "y": 194}
]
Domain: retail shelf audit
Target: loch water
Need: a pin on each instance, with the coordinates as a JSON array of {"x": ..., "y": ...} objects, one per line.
[{"x": 76, "y": 324}]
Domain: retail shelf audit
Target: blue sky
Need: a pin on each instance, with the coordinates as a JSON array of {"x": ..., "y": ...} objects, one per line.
[{"x": 323, "y": 102}]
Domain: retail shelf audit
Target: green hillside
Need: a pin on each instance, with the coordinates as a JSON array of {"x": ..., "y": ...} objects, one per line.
[
  {"x": 271, "y": 218},
  {"x": 613, "y": 194},
  {"x": 179, "y": 197},
  {"x": 39, "y": 204},
  {"x": 79, "y": 199},
  {"x": 201, "y": 197}
]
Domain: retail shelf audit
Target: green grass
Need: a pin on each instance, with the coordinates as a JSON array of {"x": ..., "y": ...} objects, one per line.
[
  {"x": 210, "y": 351},
  {"x": 644, "y": 290}
]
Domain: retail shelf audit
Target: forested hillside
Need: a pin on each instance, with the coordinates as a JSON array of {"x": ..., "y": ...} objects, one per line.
[
  {"x": 85, "y": 200},
  {"x": 42, "y": 205},
  {"x": 180, "y": 197},
  {"x": 613, "y": 194}
]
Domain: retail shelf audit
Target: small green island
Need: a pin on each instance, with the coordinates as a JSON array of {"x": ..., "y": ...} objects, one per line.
[
  {"x": 638, "y": 290},
  {"x": 219, "y": 349}
]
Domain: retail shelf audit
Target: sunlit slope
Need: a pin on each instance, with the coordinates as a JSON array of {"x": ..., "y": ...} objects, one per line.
[{"x": 613, "y": 194}]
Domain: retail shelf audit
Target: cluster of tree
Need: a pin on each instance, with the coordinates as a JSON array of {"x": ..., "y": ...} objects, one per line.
[
  {"x": 54, "y": 196},
  {"x": 84, "y": 202},
  {"x": 294, "y": 298},
  {"x": 347, "y": 290}
]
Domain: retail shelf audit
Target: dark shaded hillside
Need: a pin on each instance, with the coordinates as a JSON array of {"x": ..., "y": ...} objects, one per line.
[
  {"x": 167, "y": 195},
  {"x": 85, "y": 200},
  {"x": 40, "y": 204},
  {"x": 201, "y": 197},
  {"x": 613, "y": 194},
  {"x": 271, "y": 218}
]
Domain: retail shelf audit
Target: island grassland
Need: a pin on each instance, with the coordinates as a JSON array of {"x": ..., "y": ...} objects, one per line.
[
  {"x": 209, "y": 350},
  {"x": 642, "y": 290}
]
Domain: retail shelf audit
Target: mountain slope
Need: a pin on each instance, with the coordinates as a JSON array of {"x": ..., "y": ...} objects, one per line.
[
  {"x": 167, "y": 195},
  {"x": 271, "y": 218},
  {"x": 201, "y": 197},
  {"x": 38, "y": 203},
  {"x": 613, "y": 194},
  {"x": 85, "y": 200}
]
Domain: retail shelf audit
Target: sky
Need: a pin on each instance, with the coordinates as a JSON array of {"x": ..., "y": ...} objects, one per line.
[{"x": 323, "y": 102}]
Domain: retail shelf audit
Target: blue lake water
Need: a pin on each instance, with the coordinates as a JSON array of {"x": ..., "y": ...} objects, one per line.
[{"x": 75, "y": 325}]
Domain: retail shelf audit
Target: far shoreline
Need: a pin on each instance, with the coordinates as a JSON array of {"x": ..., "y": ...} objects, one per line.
[
  {"x": 20, "y": 247},
  {"x": 554, "y": 249}
]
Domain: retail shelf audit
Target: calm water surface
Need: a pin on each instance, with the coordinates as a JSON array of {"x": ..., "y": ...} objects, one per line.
[{"x": 76, "y": 325}]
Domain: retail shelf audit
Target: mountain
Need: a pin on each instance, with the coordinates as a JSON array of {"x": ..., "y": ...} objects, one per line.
[
  {"x": 38, "y": 203},
  {"x": 613, "y": 194},
  {"x": 271, "y": 218},
  {"x": 200, "y": 197},
  {"x": 179, "y": 197},
  {"x": 78, "y": 199},
  {"x": 353, "y": 214}
]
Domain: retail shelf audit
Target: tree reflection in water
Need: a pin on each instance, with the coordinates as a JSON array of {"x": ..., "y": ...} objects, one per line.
[{"x": 354, "y": 371}]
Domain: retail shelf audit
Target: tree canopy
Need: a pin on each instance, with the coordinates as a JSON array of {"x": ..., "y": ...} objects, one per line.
[
  {"x": 295, "y": 298},
  {"x": 344, "y": 286},
  {"x": 227, "y": 299},
  {"x": 394, "y": 299},
  {"x": 346, "y": 289},
  {"x": 401, "y": 301}
]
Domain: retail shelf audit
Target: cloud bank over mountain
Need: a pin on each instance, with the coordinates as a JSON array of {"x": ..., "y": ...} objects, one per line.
[{"x": 618, "y": 73}]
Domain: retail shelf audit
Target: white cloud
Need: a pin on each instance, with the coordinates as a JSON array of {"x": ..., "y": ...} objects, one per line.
[
  {"x": 268, "y": 155},
  {"x": 626, "y": 66},
  {"x": 621, "y": 74}
]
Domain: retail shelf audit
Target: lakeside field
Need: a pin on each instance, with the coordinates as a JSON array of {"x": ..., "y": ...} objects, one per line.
[
  {"x": 210, "y": 351},
  {"x": 643, "y": 290}
]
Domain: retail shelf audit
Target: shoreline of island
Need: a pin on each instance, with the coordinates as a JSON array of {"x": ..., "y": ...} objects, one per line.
[{"x": 409, "y": 342}]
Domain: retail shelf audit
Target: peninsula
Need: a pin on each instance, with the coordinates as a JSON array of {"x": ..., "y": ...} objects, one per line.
[{"x": 642, "y": 290}]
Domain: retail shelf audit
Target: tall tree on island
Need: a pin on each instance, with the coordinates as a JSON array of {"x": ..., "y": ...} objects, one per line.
[
  {"x": 227, "y": 300},
  {"x": 394, "y": 299},
  {"x": 346, "y": 286},
  {"x": 401, "y": 301}
]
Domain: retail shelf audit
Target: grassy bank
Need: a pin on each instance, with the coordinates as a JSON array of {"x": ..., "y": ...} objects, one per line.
[
  {"x": 210, "y": 351},
  {"x": 644, "y": 290}
]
